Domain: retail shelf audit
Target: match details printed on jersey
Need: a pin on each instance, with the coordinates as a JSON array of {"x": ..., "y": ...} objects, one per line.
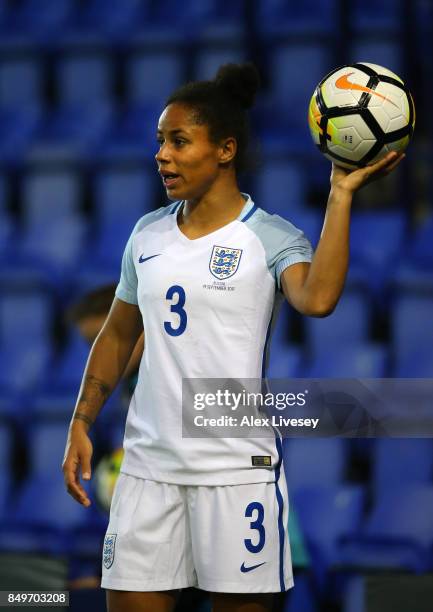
[{"x": 352, "y": 408}]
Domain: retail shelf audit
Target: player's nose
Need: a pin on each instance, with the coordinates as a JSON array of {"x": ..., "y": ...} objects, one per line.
[{"x": 162, "y": 154}]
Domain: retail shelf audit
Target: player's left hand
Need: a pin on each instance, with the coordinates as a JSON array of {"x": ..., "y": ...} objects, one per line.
[{"x": 352, "y": 180}]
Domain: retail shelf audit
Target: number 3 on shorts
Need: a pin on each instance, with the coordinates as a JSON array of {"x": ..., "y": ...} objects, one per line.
[{"x": 257, "y": 524}]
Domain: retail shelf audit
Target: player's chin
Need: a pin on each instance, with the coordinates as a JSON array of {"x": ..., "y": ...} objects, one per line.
[{"x": 176, "y": 192}]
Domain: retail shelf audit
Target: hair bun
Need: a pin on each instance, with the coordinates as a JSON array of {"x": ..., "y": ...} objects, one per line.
[{"x": 240, "y": 81}]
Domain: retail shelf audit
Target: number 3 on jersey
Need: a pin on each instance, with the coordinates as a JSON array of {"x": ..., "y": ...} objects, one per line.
[{"x": 173, "y": 292}]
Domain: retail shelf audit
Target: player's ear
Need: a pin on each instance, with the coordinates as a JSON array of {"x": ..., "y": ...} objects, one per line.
[{"x": 227, "y": 150}]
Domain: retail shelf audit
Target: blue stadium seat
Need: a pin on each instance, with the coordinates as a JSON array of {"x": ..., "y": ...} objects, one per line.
[
  {"x": 23, "y": 367},
  {"x": 284, "y": 362},
  {"x": 208, "y": 60},
  {"x": 74, "y": 128},
  {"x": 132, "y": 136},
  {"x": 21, "y": 102},
  {"x": 305, "y": 465},
  {"x": 25, "y": 338},
  {"x": 401, "y": 461},
  {"x": 54, "y": 227},
  {"x": 94, "y": 69},
  {"x": 371, "y": 16},
  {"x": 108, "y": 250},
  {"x": 70, "y": 367},
  {"x": 17, "y": 128},
  {"x": 280, "y": 187},
  {"x": 69, "y": 135},
  {"x": 171, "y": 24},
  {"x": 348, "y": 325},
  {"x": 25, "y": 317},
  {"x": 280, "y": 18},
  {"x": 412, "y": 335},
  {"x": 42, "y": 518},
  {"x": 398, "y": 532},
  {"x": 123, "y": 195},
  {"x": 414, "y": 271},
  {"x": 412, "y": 276},
  {"x": 32, "y": 22},
  {"x": 47, "y": 439},
  {"x": 292, "y": 85},
  {"x": 339, "y": 508},
  {"x": 97, "y": 22},
  {"x": 421, "y": 251},
  {"x": 376, "y": 240},
  {"x": 48, "y": 196},
  {"x": 358, "y": 360},
  {"x": 386, "y": 53},
  {"x": 152, "y": 76},
  {"x": 21, "y": 83},
  {"x": 86, "y": 279}
]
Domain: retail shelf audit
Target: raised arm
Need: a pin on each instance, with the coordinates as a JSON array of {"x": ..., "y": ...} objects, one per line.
[
  {"x": 107, "y": 361},
  {"x": 314, "y": 289}
]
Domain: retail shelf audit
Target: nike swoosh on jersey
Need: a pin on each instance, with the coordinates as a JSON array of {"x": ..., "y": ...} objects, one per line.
[
  {"x": 344, "y": 83},
  {"x": 143, "y": 259},
  {"x": 245, "y": 569}
]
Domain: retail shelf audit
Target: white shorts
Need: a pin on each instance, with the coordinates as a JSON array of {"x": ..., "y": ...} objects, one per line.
[{"x": 227, "y": 539}]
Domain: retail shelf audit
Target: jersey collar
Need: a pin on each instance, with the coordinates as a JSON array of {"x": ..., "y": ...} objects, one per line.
[{"x": 248, "y": 210}]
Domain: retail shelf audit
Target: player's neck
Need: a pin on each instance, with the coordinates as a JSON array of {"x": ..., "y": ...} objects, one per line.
[{"x": 216, "y": 208}]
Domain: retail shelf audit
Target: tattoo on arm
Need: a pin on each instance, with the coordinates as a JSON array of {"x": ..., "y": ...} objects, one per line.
[
  {"x": 83, "y": 417},
  {"x": 94, "y": 391},
  {"x": 93, "y": 395}
]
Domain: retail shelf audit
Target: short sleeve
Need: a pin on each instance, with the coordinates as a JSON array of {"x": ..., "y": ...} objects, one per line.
[
  {"x": 127, "y": 288},
  {"x": 296, "y": 250},
  {"x": 284, "y": 243}
]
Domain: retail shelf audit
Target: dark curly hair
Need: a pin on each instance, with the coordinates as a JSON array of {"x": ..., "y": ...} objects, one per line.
[{"x": 222, "y": 105}]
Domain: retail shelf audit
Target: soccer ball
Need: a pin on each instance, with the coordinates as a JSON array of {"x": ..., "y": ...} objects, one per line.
[{"x": 359, "y": 113}]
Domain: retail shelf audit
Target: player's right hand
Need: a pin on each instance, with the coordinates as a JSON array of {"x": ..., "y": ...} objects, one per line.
[{"x": 78, "y": 455}]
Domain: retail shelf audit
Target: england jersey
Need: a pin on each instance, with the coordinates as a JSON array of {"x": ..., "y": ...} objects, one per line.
[{"x": 207, "y": 306}]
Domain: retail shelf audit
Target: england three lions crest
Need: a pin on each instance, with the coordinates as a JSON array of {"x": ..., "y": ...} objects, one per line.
[
  {"x": 224, "y": 262},
  {"x": 108, "y": 551}
]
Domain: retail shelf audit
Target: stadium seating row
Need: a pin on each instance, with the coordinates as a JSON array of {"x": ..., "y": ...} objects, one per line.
[
  {"x": 340, "y": 345},
  {"x": 392, "y": 531},
  {"x": 75, "y": 23},
  {"x": 45, "y": 228},
  {"x": 114, "y": 115}
]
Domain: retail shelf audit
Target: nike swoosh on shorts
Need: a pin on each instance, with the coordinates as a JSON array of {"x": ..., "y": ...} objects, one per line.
[{"x": 244, "y": 569}]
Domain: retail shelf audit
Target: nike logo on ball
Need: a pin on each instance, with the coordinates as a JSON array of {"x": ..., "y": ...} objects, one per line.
[
  {"x": 344, "y": 83},
  {"x": 143, "y": 259},
  {"x": 244, "y": 569}
]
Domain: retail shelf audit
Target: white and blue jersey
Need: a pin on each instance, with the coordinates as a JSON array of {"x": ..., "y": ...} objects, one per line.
[{"x": 207, "y": 305}]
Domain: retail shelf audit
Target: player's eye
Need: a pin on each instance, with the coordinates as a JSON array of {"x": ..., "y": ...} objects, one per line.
[{"x": 160, "y": 141}]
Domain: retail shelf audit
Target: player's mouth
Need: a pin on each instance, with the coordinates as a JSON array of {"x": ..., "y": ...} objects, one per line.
[{"x": 170, "y": 179}]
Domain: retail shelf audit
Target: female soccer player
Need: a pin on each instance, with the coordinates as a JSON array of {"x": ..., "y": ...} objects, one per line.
[{"x": 202, "y": 277}]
